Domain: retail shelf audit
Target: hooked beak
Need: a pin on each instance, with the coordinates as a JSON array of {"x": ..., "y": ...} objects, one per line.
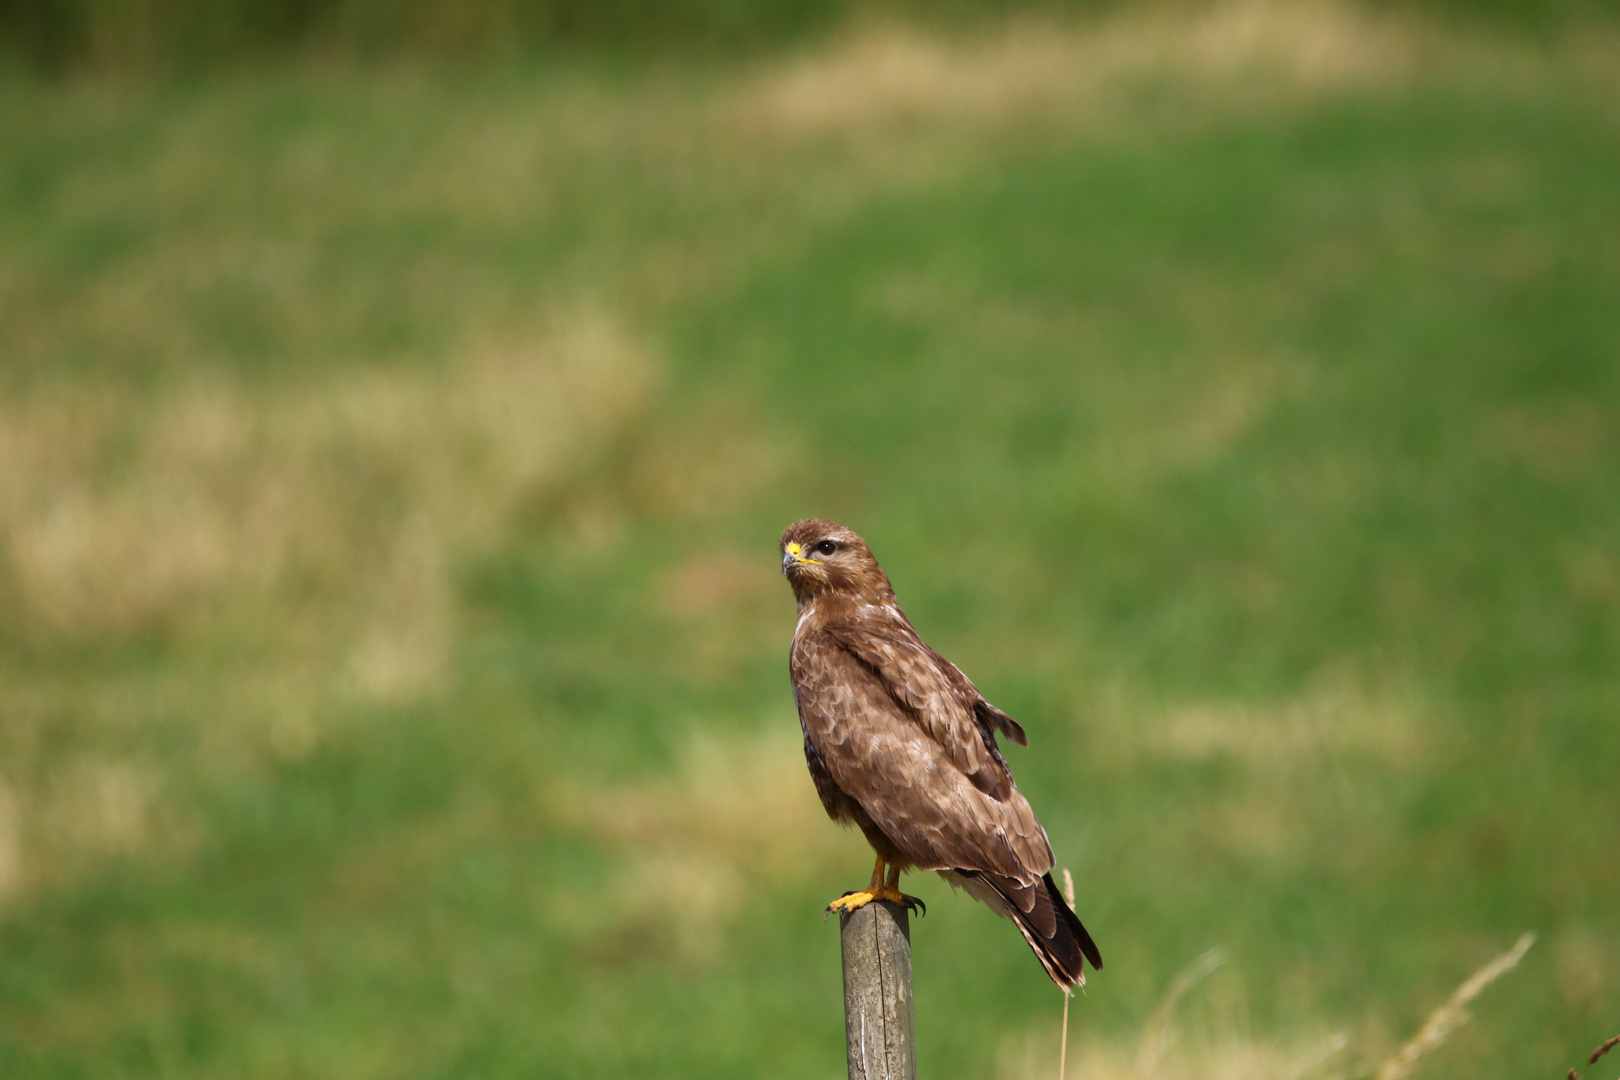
[{"x": 792, "y": 556}]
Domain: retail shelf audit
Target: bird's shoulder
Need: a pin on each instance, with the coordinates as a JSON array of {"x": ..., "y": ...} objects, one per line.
[{"x": 883, "y": 638}]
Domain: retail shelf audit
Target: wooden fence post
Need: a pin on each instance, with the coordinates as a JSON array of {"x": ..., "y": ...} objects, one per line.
[{"x": 879, "y": 1030}]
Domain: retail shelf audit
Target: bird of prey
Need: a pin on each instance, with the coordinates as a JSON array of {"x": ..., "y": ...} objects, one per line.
[{"x": 901, "y": 744}]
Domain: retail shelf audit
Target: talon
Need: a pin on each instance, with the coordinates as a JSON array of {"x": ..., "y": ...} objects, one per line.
[
  {"x": 850, "y": 901},
  {"x": 887, "y": 889},
  {"x": 910, "y": 903}
]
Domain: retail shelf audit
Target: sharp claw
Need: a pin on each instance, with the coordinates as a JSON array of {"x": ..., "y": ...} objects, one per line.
[
  {"x": 909, "y": 903},
  {"x": 837, "y": 905}
]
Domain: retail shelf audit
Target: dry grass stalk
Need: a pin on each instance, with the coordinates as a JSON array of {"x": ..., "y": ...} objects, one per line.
[
  {"x": 1063, "y": 1052},
  {"x": 1608, "y": 1044},
  {"x": 1160, "y": 1031},
  {"x": 1332, "y": 1045},
  {"x": 1453, "y": 1013}
]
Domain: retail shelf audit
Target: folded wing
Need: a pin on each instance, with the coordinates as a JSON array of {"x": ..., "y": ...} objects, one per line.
[{"x": 882, "y": 752}]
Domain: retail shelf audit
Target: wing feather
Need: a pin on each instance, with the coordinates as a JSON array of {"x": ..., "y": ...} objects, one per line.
[
  {"x": 922, "y": 681},
  {"x": 876, "y": 752}
]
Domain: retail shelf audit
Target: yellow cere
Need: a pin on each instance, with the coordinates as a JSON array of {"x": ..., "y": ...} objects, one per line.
[{"x": 793, "y": 548}]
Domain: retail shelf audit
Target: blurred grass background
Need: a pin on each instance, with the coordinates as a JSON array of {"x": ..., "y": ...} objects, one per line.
[
  {"x": 392, "y": 653},
  {"x": 188, "y": 36}
]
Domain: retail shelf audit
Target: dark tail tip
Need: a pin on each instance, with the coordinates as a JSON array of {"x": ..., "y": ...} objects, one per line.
[
  {"x": 1048, "y": 924},
  {"x": 1072, "y": 921}
]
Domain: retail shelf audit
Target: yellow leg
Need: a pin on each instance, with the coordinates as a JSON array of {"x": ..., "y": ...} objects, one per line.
[{"x": 882, "y": 887}]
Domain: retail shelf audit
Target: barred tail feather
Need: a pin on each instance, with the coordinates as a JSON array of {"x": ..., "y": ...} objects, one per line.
[{"x": 1050, "y": 926}]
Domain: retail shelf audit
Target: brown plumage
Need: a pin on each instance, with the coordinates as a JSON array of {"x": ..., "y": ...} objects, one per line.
[{"x": 901, "y": 744}]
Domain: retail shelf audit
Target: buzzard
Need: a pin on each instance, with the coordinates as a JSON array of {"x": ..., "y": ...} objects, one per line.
[{"x": 902, "y": 744}]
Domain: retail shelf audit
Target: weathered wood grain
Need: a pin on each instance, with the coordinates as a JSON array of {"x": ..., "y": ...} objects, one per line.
[{"x": 879, "y": 1029}]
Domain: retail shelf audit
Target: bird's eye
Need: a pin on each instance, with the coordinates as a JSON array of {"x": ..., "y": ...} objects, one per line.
[{"x": 827, "y": 547}]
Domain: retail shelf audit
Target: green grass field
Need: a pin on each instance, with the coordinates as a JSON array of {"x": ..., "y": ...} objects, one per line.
[{"x": 392, "y": 649}]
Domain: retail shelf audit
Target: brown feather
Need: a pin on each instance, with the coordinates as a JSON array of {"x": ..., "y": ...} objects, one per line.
[{"x": 900, "y": 743}]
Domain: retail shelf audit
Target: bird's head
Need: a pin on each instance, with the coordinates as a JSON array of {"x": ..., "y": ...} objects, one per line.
[{"x": 823, "y": 557}]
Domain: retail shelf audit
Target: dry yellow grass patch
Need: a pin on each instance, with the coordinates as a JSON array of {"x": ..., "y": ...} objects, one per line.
[
  {"x": 122, "y": 515},
  {"x": 1225, "y": 1050},
  {"x": 1235, "y": 1060},
  {"x": 886, "y": 75},
  {"x": 298, "y": 540},
  {"x": 1342, "y": 724},
  {"x": 1341, "y": 717},
  {"x": 738, "y": 813},
  {"x": 1556, "y": 440},
  {"x": 1173, "y": 1047},
  {"x": 11, "y": 841}
]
